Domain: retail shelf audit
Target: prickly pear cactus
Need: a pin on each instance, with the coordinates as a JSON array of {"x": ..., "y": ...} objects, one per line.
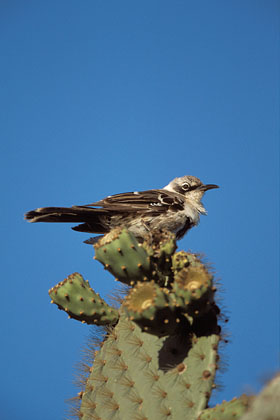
[
  {"x": 159, "y": 355},
  {"x": 228, "y": 410}
]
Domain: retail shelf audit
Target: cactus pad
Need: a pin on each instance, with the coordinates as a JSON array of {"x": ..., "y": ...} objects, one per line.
[
  {"x": 193, "y": 284},
  {"x": 137, "y": 375},
  {"x": 266, "y": 405},
  {"x": 231, "y": 410},
  {"x": 148, "y": 305},
  {"x": 75, "y": 296},
  {"x": 121, "y": 254}
]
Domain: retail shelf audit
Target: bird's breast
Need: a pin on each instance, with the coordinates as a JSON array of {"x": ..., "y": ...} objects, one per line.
[{"x": 191, "y": 212}]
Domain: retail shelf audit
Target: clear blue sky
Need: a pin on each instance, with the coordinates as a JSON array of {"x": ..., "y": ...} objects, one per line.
[{"x": 100, "y": 97}]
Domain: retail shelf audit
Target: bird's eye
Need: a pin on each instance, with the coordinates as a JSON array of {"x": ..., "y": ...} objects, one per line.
[{"x": 185, "y": 186}]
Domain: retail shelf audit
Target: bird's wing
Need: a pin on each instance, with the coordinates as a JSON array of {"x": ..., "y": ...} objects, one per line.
[{"x": 142, "y": 201}]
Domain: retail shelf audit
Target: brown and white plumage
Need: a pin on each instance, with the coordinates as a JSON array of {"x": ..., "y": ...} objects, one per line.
[{"x": 176, "y": 207}]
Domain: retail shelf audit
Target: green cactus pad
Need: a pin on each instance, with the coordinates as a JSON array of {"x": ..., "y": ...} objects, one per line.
[
  {"x": 160, "y": 243},
  {"x": 75, "y": 296},
  {"x": 193, "y": 284},
  {"x": 121, "y": 254},
  {"x": 148, "y": 305},
  {"x": 231, "y": 410},
  {"x": 266, "y": 405},
  {"x": 180, "y": 260},
  {"x": 137, "y": 375}
]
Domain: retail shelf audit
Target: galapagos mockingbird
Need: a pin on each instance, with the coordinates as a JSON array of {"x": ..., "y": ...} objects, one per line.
[{"x": 176, "y": 207}]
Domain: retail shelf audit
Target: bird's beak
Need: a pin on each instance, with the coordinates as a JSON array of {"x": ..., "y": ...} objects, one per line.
[{"x": 208, "y": 187}]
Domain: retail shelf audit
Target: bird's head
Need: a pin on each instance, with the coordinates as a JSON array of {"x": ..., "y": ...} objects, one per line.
[{"x": 192, "y": 189}]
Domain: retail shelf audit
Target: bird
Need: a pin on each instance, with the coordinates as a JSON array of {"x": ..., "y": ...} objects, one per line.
[{"x": 176, "y": 207}]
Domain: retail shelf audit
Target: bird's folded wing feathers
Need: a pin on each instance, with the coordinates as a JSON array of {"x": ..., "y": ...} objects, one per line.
[
  {"x": 152, "y": 202},
  {"x": 140, "y": 201}
]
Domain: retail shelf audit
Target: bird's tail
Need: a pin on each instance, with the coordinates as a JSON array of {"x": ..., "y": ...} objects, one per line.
[
  {"x": 90, "y": 217},
  {"x": 59, "y": 214}
]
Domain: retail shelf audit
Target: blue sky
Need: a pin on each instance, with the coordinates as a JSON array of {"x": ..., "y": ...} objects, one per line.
[{"x": 100, "y": 97}]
